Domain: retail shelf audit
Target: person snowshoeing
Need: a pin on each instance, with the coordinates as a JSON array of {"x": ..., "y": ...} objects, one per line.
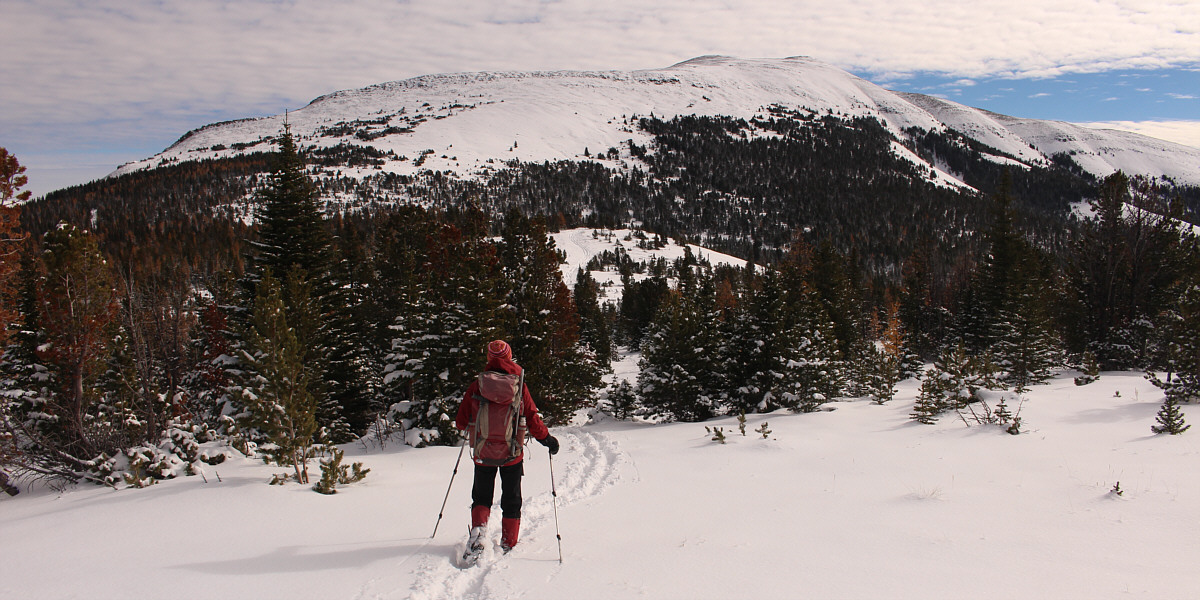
[{"x": 496, "y": 411}]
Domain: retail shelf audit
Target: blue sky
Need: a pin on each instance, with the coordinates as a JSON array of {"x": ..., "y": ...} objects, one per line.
[
  {"x": 90, "y": 84},
  {"x": 1158, "y": 94}
]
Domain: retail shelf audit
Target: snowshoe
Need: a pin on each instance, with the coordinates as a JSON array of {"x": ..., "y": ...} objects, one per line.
[{"x": 474, "y": 547}]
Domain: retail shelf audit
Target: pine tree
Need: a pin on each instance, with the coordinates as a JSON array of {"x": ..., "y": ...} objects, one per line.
[
  {"x": 12, "y": 179},
  {"x": 1125, "y": 267},
  {"x": 1170, "y": 417},
  {"x": 923, "y": 320},
  {"x": 355, "y": 360},
  {"x": 622, "y": 401},
  {"x": 932, "y": 399},
  {"x": 1090, "y": 368},
  {"x": 543, "y": 323},
  {"x": 1027, "y": 349},
  {"x": 291, "y": 229},
  {"x": 435, "y": 355},
  {"x": 451, "y": 302},
  {"x": 78, "y": 307},
  {"x": 293, "y": 242},
  {"x": 1000, "y": 270},
  {"x": 279, "y": 399},
  {"x": 593, "y": 324},
  {"x": 889, "y": 357},
  {"x": 677, "y": 359}
]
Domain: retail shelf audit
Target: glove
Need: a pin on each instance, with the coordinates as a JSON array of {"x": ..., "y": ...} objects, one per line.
[{"x": 550, "y": 443}]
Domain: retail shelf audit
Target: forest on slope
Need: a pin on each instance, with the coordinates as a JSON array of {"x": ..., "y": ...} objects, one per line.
[{"x": 219, "y": 300}]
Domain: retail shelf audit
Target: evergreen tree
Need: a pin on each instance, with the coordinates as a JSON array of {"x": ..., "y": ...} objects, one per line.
[
  {"x": 77, "y": 302},
  {"x": 1027, "y": 348},
  {"x": 932, "y": 399},
  {"x": 12, "y": 179},
  {"x": 639, "y": 305},
  {"x": 888, "y": 357},
  {"x": 622, "y": 401},
  {"x": 279, "y": 399},
  {"x": 450, "y": 311},
  {"x": 355, "y": 359},
  {"x": 1001, "y": 269},
  {"x": 543, "y": 324},
  {"x": 593, "y": 324},
  {"x": 293, "y": 242},
  {"x": 1170, "y": 418},
  {"x": 815, "y": 362},
  {"x": 1126, "y": 266},
  {"x": 921, "y": 317},
  {"x": 291, "y": 230},
  {"x": 677, "y": 364},
  {"x": 1181, "y": 353}
]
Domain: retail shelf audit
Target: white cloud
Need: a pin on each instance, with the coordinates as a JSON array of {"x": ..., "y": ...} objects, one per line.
[{"x": 1180, "y": 132}]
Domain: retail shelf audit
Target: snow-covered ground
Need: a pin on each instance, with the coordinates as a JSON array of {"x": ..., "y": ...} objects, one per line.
[
  {"x": 853, "y": 502},
  {"x": 581, "y": 244}
]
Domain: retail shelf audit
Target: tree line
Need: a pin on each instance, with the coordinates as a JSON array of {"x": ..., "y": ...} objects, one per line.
[
  {"x": 134, "y": 342},
  {"x": 333, "y": 329}
]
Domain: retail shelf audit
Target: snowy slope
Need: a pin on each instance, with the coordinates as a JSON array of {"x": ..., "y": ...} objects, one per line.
[
  {"x": 468, "y": 123},
  {"x": 580, "y": 245},
  {"x": 857, "y": 502}
]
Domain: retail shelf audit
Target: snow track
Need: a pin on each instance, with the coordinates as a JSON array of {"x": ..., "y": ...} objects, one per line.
[{"x": 590, "y": 462}]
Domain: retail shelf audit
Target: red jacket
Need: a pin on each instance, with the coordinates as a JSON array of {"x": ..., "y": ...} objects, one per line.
[{"x": 470, "y": 406}]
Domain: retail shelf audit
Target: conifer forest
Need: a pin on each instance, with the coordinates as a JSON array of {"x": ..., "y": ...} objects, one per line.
[{"x": 268, "y": 301}]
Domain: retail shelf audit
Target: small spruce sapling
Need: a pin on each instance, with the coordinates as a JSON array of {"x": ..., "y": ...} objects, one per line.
[
  {"x": 763, "y": 430},
  {"x": 1170, "y": 418},
  {"x": 718, "y": 433},
  {"x": 930, "y": 401},
  {"x": 1090, "y": 369},
  {"x": 333, "y": 472},
  {"x": 742, "y": 424},
  {"x": 622, "y": 401}
]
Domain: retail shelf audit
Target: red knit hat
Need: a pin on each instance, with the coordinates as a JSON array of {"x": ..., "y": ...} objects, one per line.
[{"x": 499, "y": 349}]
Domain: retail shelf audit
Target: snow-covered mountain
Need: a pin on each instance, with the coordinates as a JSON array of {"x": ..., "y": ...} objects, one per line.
[{"x": 470, "y": 123}]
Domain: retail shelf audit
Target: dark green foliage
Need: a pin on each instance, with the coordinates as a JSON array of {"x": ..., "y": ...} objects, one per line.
[
  {"x": 953, "y": 382},
  {"x": 278, "y": 397},
  {"x": 594, "y": 329},
  {"x": 1170, "y": 417},
  {"x": 1179, "y": 355},
  {"x": 541, "y": 321},
  {"x": 679, "y": 365},
  {"x": 1127, "y": 265},
  {"x": 446, "y": 299},
  {"x": 1090, "y": 369},
  {"x": 622, "y": 401},
  {"x": 334, "y": 473},
  {"x": 639, "y": 305},
  {"x": 932, "y": 400}
]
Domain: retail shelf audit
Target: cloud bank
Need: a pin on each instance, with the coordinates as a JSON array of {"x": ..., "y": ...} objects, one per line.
[{"x": 1180, "y": 132}]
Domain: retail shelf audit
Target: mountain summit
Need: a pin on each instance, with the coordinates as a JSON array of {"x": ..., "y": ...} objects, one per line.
[{"x": 472, "y": 123}]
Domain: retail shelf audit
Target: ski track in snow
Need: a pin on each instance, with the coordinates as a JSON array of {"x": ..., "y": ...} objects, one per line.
[{"x": 592, "y": 464}]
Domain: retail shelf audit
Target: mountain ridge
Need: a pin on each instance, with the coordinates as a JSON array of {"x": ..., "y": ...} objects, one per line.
[{"x": 471, "y": 123}]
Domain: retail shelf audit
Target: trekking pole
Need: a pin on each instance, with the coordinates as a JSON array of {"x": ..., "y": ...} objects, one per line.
[
  {"x": 443, "y": 510},
  {"x": 554, "y": 495}
]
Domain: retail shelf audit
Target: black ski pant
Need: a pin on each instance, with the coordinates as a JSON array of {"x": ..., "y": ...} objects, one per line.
[{"x": 484, "y": 489}]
